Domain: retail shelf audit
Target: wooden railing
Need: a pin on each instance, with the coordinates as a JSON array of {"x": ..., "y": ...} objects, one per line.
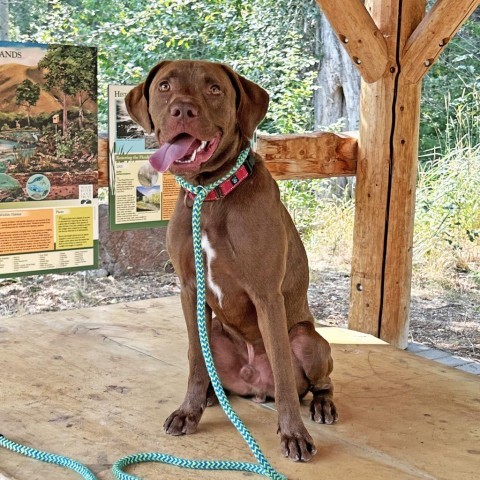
[{"x": 312, "y": 155}]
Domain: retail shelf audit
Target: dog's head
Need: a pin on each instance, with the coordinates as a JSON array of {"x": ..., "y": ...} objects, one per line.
[{"x": 202, "y": 113}]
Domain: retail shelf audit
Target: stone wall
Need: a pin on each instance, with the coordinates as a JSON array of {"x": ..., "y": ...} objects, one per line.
[{"x": 131, "y": 252}]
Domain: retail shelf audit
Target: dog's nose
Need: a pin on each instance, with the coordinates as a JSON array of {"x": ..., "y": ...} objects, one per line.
[{"x": 183, "y": 110}]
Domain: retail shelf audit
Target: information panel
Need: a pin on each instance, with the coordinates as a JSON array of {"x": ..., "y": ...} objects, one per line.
[
  {"x": 48, "y": 158},
  {"x": 140, "y": 197}
]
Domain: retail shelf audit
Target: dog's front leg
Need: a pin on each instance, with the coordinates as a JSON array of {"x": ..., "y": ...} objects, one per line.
[
  {"x": 296, "y": 442},
  {"x": 185, "y": 419}
]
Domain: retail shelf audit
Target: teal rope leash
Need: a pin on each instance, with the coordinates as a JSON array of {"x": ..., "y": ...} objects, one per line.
[
  {"x": 263, "y": 467},
  {"x": 200, "y": 192},
  {"x": 47, "y": 457}
]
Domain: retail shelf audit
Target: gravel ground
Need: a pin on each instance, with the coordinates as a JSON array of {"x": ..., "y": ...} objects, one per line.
[{"x": 447, "y": 320}]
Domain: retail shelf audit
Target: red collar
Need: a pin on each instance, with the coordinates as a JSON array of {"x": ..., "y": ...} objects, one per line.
[{"x": 231, "y": 183}]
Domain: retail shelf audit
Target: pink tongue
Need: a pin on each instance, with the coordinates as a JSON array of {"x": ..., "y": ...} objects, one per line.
[{"x": 169, "y": 152}]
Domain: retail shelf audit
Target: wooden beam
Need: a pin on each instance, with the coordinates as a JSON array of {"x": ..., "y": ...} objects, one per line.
[
  {"x": 288, "y": 157},
  {"x": 385, "y": 192},
  {"x": 360, "y": 36},
  {"x": 103, "y": 161},
  {"x": 432, "y": 35},
  {"x": 312, "y": 155}
]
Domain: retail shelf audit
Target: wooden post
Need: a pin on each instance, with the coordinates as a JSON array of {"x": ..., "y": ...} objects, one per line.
[
  {"x": 388, "y": 148},
  {"x": 386, "y": 172}
]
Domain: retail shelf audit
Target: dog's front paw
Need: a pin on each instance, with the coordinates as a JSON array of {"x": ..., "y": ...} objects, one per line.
[
  {"x": 298, "y": 446},
  {"x": 323, "y": 410},
  {"x": 182, "y": 422}
]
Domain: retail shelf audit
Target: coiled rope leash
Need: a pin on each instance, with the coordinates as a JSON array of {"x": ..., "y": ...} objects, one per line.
[
  {"x": 263, "y": 466},
  {"x": 47, "y": 457}
]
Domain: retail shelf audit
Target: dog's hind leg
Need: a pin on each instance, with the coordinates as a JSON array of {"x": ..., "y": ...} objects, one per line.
[{"x": 313, "y": 353}]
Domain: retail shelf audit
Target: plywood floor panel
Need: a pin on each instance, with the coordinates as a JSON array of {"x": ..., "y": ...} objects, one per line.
[{"x": 97, "y": 384}]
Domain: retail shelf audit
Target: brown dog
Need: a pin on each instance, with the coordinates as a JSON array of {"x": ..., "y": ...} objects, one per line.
[{"x": 262, "y": 336}]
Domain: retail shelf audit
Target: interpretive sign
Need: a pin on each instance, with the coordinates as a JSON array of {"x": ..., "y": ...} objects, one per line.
[
  {"x": 139, "y": 196},
  {"x": 48, "y": 158}
]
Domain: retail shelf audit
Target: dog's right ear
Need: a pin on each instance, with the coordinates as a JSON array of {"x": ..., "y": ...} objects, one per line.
[{"x": 137, "y": 100}]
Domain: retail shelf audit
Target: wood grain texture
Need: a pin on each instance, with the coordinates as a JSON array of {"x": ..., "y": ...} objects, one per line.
[
  {"x": 360, "y": 36},
  {"x": 103, "y": 161},
  {"x": 311, "y": 155},
  {"x": 394, "y": 323},
  {"x": 371, "y": 196},
  {"x": 4, "y": 476},
  {"x": 432, "y": 35},
  {"x": 395, "y": 313},
  {"x": 96, "y": 384}
]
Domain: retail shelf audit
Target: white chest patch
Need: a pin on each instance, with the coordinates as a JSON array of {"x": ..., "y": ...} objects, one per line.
[{"x": 210, "y": 255}]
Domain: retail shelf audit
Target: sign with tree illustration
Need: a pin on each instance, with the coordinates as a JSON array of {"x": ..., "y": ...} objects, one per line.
[{"x": 48, "y": 158}]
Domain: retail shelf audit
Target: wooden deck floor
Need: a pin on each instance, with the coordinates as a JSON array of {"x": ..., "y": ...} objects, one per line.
[{"x": 97, "y": 384}]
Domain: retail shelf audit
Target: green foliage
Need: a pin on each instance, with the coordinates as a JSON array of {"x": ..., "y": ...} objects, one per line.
[
  {"x": 76, "y": 142},
  {"x": 27, "y": 93},
  {"x": 134, "y": 36},
  {"x": 8, "y": 119},
  {"x": 154, "y": 198},
  {"x": 447, "y": 91},
  {"x": 70, "y": 69}
]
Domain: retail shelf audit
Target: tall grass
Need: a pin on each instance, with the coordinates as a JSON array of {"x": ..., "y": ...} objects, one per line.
[
  {"x": 447, "y": 225},
  {"x": 324, "y": 217}
]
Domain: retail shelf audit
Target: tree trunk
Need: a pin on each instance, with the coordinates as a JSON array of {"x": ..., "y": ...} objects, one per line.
[
  {"x": 3, "y": 19},
  {"x": 80, "y": 110},
  {"x": 337, "y": 98},
  {"x": 338, "y": 93}
]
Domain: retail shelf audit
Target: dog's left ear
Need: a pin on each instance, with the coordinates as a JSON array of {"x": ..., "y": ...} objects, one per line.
[
  {"x": 137, "y": 100},
  {"x": 252, "y": 102}
]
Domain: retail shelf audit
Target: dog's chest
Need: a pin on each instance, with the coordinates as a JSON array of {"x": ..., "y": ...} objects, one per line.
[{"x": 210, "y": 256}]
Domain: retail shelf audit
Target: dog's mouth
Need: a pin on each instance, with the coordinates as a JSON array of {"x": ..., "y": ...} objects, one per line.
[{"x": 185, "y": 151}]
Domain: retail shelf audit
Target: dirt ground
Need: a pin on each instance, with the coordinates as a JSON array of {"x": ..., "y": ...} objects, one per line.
[{"x": 443, "y": 319}]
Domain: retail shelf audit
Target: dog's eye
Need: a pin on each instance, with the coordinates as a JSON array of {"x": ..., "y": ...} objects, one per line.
[
  {"x": 164, "y": 86},
  {"x": 215, "y": 90}
]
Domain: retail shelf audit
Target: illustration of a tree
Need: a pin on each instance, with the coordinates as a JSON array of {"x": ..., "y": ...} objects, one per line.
[
  {"x": 71, "y": 71},
  {"x": 86, "y": 85},
  {"x": 27, "y": 95}
]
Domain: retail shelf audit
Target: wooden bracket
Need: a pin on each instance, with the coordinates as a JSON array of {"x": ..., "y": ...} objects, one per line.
[
  {"x": 360, "y": 36},
  {"x": 432, "y": 35}
]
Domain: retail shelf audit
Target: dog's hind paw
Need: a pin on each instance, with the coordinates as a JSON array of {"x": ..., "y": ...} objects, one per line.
[{"x": 323, "y": 410}]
